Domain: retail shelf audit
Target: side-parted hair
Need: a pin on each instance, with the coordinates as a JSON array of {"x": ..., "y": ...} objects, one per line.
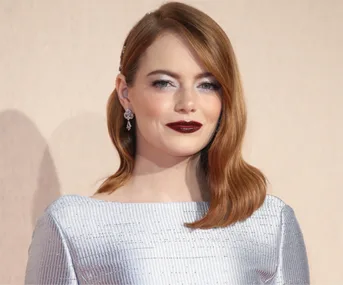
[{"x": 236, "y": 188}]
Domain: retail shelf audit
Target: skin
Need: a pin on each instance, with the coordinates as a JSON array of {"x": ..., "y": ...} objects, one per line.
[{"x": 166, "y": 161}]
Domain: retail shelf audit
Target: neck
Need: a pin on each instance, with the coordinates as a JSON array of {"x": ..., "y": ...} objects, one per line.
[{"x": 167, "y": 179}]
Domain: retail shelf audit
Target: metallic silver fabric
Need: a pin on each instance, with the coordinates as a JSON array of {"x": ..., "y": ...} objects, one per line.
[{"x": 81, "y": 240}]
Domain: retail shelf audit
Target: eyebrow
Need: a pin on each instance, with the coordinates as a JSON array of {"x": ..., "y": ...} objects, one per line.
[{"x": 177, "y": 76}]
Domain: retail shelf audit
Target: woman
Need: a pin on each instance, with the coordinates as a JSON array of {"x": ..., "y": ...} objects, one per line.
[{"x": 184, "y": 207}]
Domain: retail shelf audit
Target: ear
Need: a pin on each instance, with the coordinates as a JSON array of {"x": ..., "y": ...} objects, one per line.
[{"x": 123, "y": 92}]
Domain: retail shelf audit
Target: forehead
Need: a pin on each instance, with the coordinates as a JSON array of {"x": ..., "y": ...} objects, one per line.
[{"x": 170, "y": 51}]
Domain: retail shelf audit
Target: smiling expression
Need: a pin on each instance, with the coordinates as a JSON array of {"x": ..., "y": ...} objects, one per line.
[{"x": 171, "y": 85}]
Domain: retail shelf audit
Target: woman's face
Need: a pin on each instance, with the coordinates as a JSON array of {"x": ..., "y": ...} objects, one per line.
[{"x": 171, "y": 85}]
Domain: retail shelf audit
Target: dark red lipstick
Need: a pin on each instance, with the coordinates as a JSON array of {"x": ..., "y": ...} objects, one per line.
[{"x": 185, "y": 127}]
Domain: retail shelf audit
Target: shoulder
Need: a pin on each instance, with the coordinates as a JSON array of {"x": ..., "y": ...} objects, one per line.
[
  {"x": 286, "y": 213},
  {"x": 275, "y": 203},
  {"x": 65, "y": 208},
  {"x": 274, "y": 208},
  {"x": 269, "y": 221},
  {"x": 63, "y": 203},
  {"x": 275, "y": 200}
]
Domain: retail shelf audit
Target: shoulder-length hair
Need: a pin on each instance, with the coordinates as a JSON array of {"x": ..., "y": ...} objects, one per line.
[{"x": 236, "y": 188}]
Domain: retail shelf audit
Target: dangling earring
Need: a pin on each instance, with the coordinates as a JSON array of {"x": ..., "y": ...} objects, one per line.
[{"x": 128, "y": 115}]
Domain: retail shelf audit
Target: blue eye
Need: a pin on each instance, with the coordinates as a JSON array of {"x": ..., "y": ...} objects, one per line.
[
  {"x": 161, "y": 83},
  {"x": 210, "y": 86}
]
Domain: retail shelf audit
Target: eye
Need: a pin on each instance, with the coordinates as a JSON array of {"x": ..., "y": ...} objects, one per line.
[
  {"x": 210, "y": 86},
  {"x": 161, "y": 83}
]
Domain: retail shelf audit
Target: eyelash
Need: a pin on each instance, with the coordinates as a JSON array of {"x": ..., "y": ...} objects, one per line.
[{"x": 158, "y": 83}]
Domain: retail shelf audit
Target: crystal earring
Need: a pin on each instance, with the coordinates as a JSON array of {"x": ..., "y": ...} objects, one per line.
[{"x": 128, "y": 115}]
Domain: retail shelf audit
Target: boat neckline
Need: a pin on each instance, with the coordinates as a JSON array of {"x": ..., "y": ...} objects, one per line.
[{"x": 95, "y": 200}]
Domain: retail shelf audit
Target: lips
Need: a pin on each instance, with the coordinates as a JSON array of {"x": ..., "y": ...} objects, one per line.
[{"x": 185, "y": 127}]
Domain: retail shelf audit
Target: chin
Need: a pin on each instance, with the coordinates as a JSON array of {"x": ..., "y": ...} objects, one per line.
[{"x": 183, "y": 150}]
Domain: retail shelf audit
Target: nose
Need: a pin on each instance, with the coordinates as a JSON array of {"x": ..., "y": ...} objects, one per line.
[{"x": 186, "y": 101}]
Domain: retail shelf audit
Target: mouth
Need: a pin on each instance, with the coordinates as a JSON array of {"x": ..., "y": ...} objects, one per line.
[{"x": 185, "y": 127}]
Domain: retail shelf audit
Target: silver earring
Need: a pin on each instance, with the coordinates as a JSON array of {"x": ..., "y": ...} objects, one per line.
[{"x": 128, "y": 115}]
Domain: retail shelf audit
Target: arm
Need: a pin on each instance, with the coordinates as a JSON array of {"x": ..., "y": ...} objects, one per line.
[
  {"x": 49, "y": 260},
  {"x": 292, "y": 264}
]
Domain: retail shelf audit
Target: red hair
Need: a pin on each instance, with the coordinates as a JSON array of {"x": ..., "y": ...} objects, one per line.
[{"x": 236, "y": 188}]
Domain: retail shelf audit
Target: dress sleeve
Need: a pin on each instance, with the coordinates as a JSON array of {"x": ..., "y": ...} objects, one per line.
[
  {"x": 49, "y": 260},
  {"x": 292, "y": 265}
]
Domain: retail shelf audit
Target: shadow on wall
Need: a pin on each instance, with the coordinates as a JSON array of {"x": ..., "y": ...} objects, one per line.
[
  {"x": 28, "y": 183},
  {"x": 83, "y": 153},
  {"x": 32, "y": 169}
]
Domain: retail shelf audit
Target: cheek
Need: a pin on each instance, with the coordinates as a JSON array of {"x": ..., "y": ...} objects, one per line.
[
  {"x": 212, "y": 108},
  {"x": 152, "y": 106}
]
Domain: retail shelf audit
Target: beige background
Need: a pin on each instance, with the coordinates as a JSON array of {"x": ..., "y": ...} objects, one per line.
[{"x": 59, "y": 60}]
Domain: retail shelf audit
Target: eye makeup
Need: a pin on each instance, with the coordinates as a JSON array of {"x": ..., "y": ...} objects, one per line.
[
  {"x": 161, "y": 83},
  {"x": 207, "y": 85}
]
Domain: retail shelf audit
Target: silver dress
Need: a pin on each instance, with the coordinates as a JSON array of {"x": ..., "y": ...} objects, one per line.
[{"x": 81, "y": 240}]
